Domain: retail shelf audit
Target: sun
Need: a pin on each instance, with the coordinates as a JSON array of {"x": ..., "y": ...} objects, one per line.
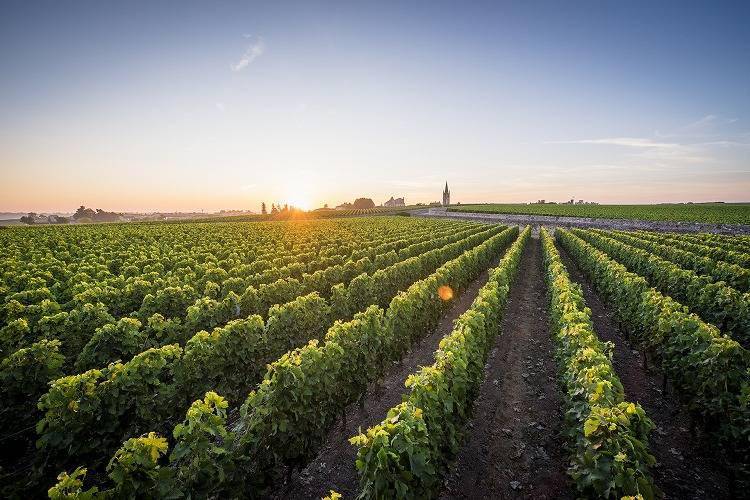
[
  {"x": 299, "y": 201},
  {"x": 299, "y": 194}
]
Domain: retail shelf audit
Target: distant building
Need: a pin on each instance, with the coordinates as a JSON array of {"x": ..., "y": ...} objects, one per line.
[
  {"x": 446, "y": 195},
  {"x": 398, "y": 202}
]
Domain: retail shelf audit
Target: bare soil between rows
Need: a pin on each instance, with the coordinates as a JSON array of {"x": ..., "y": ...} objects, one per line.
[
  {"x": 334, "y": 467},
  {"x": 514, "y": 447},
  {"x": 686, "y": 467}
]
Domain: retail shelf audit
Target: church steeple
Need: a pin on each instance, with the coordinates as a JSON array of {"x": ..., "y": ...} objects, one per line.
[{"x": 446, "y": 195}]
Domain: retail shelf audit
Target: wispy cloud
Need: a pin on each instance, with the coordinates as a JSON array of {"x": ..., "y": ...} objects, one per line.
[
  {"x": 726, "y": 143},
  {"x": 693, "y": 142},
  {"x": 633, "y": 142},
  {"x": 708, "y": 122},
  {"x": 676, "y": 156},
  {"x": 647, "y": 148},
  {"x": 254, "y": 50},
  {"x": 705, "y": 127}
]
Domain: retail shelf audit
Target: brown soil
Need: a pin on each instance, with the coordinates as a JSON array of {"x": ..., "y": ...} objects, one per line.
[
  {"x": 514, "y": 447},
  {"x": 686, "y": 468},
  {"x": 333, "y": 468}
]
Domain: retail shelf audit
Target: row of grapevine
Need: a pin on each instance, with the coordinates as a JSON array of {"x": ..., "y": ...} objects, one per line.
[
  {"x": 608, "y": 435},
  {"x": 709, "y": 371},
  {"x": 406, "y": 454},
  {"x": 143, "y": 393},
  {"x": 284, "y": 421},
  {"x": 733, "y": 275},
  {"x": 737, "y": 244},
  {"x": 138, "y": 468},
  {"x": 711, "y": 249},
  {"x": 716, "y": 303}
]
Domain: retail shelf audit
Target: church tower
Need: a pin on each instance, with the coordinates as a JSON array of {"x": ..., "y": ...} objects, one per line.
[{"x": 446, "y": 195}]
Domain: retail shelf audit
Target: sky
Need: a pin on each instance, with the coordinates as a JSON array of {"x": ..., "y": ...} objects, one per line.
[{"x": 162, "y": 106}]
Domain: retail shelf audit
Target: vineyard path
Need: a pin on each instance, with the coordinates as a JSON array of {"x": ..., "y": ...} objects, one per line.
[{"x": 514, "y": 447}]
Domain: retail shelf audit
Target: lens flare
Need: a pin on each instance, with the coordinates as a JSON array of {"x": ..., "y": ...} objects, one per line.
[{"x": 445, "y": 292}]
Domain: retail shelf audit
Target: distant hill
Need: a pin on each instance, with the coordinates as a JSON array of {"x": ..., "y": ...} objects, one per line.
[{"x": 11, "y": 215}]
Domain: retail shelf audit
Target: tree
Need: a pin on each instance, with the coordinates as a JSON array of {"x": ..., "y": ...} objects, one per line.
[
  {"x": 58, "y": 219},
  {"x": 274, "y": 210},
  {"x": 360, "y": 203},
  {"x": 84, "y": 212},
  {"x": 28, "y": 219},
  {"x": 104, "y": 216},
  {"x": 263, "y": 208}
]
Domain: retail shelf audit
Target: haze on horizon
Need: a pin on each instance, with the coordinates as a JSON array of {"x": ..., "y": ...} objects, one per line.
[{"x": 161, "y": 106}]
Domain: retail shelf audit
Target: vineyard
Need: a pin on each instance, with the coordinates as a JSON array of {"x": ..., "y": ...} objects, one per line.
[
  {"x": 373, "y": 357},
  {"x": 321, "y": 213},
  {"x": 713, "y": 213}
]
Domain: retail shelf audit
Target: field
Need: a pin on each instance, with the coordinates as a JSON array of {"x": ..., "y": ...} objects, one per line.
[
  {"x": 322, "y": 213},
  {"x": 382, "y": 357},
  {"x": 712, "y": 213}
]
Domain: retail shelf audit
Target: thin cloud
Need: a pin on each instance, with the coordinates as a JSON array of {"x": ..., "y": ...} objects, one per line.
[
  {"x": 707, "y": 126},
  {"x": 708, "y": 122},
  {"x": 253, "y": 51},
  {"x": 646, "y": 148},
  {"x": 676, "y": 156},
  {"x": 726, "y": 143},
  {"x": 633, "y": 142}
]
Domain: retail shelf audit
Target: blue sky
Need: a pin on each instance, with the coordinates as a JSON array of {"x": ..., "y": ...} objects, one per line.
[{"x": 184, "y": 106}]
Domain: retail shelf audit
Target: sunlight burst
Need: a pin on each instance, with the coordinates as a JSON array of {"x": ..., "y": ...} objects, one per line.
[{"x": 299, "y": 193}]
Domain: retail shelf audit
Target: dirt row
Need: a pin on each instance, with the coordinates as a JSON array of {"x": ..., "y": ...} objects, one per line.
[{"x": 514, "y": 447}]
